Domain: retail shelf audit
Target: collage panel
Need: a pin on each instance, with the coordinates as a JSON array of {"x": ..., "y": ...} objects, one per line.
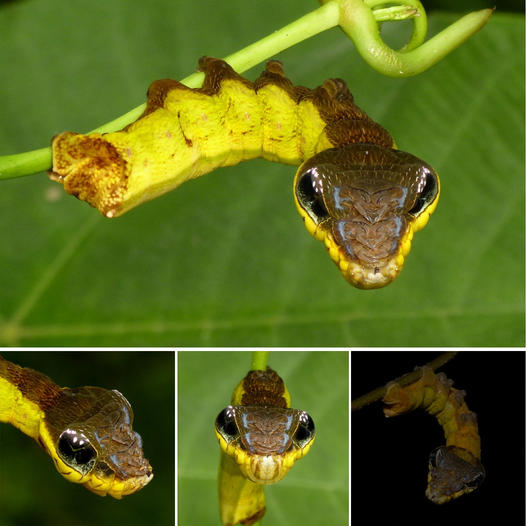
[
  {"x": 107, "y": 419},
  {"x": 315, "y": 491},
  {"x": 240, "y": 251},
  {"x": 208, "y": 179},
  {"x": 406, "y": 463}
]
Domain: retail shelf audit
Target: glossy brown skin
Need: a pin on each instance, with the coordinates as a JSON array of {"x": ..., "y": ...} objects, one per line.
[
  {"x": 365, "y": 194},
  {"x": 105, "y": 417}
]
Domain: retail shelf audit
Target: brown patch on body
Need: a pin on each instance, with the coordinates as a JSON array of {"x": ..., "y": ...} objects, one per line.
[
  {"x": 91, "y": 169},
  {"x": 34, "y": 386},
  {"x": 216, "y": 71},
  {"x": 157, "y": 93},
  {"x": 263, "y": 388}
]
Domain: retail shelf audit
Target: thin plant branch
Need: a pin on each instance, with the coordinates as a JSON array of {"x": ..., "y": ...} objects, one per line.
[
  {"x": 403, "y": 380},
  {"x": 259, "y": 360},
  {"x": 359, "y": 20}
]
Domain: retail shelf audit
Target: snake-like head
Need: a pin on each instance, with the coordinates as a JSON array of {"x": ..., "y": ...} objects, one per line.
[
  {"x": 453, "y": 471},
  {"x": 364, "y": 202},
  {"x": 264, "y": 441},
  {"x": 91, "y": 431}
]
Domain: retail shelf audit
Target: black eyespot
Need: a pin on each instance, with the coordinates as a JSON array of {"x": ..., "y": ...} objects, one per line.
[
  {"x": 434, "y": 457},
  {"x": 226, "y": 424},
  {"x": 75, "y": 450},
  {"x": 427, "y": 194},
  {"x": 309, "y": 196},
  {"x": 305, "y": 431},
  {"x": 476, "y": 481}
]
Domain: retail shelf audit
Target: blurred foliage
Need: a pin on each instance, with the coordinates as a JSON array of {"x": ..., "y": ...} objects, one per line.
[
  {"x": 33, "y": 493},
  {"x": 225, "y": 259},
  {"x": 315, "y": 491}
]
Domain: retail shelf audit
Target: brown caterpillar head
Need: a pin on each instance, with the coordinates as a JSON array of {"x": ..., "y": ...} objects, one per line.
[
  {"x": 365, "y": 202},
  {"x": 453, "y": 471},
  {"x": 265, "y": 441},
  {"x": 94, "y": 441}
]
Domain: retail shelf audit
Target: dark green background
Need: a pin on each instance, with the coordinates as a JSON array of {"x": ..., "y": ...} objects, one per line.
[
  {"x": 225, "y": 259},
  {"x": 33, "y": 493},
  {"x": 316, "y": 490}
]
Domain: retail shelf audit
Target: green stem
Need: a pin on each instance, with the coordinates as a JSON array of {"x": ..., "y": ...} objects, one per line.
[
  {"x": 26, "y": 163},
  {"x": 259, "y": 360},
  {"x": 358, "y": 21},
  {"x": 407, "y": 9},
  {"x": 358, "y": 18}
]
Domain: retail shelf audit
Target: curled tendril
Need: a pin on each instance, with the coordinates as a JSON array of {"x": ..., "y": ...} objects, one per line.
[{"x": 359, "y": 19}]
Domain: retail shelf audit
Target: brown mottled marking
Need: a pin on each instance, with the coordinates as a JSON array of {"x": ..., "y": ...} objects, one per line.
[
  {"x": 263, "y": 388},
  {"x": 91, "y": 169},
  {"x": 35, "y": 386}
]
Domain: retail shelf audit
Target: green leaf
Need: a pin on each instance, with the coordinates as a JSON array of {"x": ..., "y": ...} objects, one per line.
[
  {"x": 225, "y": 259},
  {"x": 205, "y": 384}
]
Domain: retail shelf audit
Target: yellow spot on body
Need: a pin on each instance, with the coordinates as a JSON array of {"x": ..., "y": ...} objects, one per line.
[
  {"x": 335, "y": 253},
  {"x": 344, "y": 265}
]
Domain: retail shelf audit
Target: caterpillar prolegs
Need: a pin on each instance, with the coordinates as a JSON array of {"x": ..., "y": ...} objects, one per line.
[
  {"x": 454, "y": 469},
  {"x": 354, "y": 190}
]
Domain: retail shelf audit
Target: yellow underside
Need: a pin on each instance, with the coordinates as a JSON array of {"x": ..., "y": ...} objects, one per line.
[
  {"x": 239, "y": 498},
  {"x": 17, "y": 410}
]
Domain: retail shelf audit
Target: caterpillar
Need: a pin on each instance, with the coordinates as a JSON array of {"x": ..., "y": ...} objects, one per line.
[
  {"x": 87, "y": 431},
  {"x": 355, "y": 192},
  {"x": 260, "y": 438},
  {"x": 454, "y": 469}
]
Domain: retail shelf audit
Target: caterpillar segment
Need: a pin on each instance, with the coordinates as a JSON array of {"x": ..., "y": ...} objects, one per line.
[
  {"x": 454, "y": 469},
  {"x": 354, "y": 190}
]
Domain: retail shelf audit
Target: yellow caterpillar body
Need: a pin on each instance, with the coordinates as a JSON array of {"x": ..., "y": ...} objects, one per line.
[
  {"x": 454, "y": 469},
  {"x": 185, "y": 133},
  {"x": 355, "y": 192}
]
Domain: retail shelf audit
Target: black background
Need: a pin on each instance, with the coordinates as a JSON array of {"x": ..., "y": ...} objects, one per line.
[{"x": 389, "y": 456}]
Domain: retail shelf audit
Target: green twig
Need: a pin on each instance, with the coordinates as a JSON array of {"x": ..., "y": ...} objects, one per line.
[
  {"x": 403, "y": 380},
  {"x": 259, "y": 360},
  {"x": 358, "y": 21},
  {"x": 358, "y": 18}
]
